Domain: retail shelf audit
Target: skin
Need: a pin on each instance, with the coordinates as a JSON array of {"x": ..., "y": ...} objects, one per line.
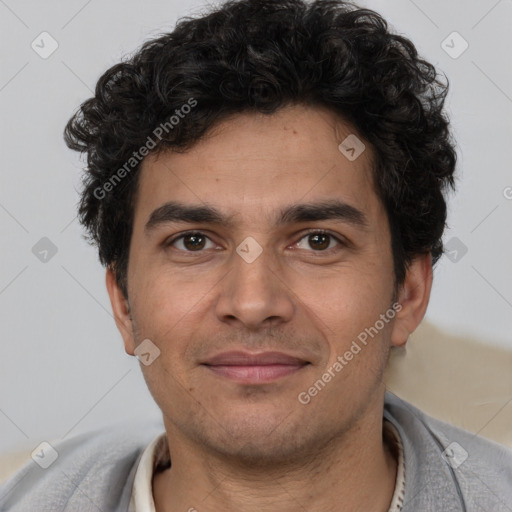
[{"x": 256, "y": 447}]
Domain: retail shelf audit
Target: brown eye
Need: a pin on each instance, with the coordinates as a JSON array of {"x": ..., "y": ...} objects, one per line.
[
  {"x": 193, "y": 242},
  {"x": 319, "y": 241},
  {"x": 190, "y": 242}
]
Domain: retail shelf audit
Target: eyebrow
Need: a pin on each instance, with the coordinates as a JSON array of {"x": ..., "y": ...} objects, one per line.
[{"x": 333, "y": 209}]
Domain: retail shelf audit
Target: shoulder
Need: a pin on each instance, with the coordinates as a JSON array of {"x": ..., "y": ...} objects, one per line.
[
  {"x": 440, "y": 456},
  {"x": 422, "y": 426},
  {"x": 94, "y": 470}
]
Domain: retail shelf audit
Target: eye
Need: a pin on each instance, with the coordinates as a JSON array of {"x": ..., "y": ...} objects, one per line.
[
  {"x": 319, "y": 240},
  {"x": 196, "y": 241},
  {"x": 191, "y": 241}
]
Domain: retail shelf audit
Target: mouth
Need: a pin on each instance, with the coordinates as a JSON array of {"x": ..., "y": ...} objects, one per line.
[{"x": 247, "y": 368}]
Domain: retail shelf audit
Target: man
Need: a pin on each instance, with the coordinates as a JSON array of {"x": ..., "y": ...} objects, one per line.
[{"x": 265, "y": 187}]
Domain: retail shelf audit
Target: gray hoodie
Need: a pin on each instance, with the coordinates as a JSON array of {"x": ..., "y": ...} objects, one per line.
[{"x": 447, "y": 469}]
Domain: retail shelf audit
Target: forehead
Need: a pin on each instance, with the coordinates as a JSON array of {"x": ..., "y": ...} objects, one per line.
[{"x": 252, "y": 164}]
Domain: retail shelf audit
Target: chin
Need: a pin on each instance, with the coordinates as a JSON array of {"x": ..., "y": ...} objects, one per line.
[{"x": 258, "y": 441}]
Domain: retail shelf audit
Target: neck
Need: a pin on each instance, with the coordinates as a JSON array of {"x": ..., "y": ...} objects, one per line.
[{"x": 358, "y": 470}]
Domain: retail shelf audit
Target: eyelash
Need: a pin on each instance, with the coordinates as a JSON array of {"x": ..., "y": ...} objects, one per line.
[{"x": 171, "y": 241}]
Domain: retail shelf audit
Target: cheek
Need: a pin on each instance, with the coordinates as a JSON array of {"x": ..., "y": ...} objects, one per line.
[
  {"x": 350, "y": 303},
  {"x": 351, "y": 292},
  {"x": 164, "y": 298},
  {"x": 170, "y": 310}
]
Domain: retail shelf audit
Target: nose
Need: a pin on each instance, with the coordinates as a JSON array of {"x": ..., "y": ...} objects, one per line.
[{"x": 254, "y": 293}]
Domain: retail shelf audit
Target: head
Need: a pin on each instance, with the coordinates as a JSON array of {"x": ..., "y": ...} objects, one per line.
[{"x": 238, "y": 121}]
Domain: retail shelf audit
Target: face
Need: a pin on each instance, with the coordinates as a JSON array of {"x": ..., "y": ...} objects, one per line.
[{"x": 256, "y": 312}]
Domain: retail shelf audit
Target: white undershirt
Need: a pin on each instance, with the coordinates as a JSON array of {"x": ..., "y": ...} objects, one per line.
[{"x": 156, "y": 454}]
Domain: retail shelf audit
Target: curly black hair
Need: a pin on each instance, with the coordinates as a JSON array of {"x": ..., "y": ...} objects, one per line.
[{"x": 262, "y": 55}]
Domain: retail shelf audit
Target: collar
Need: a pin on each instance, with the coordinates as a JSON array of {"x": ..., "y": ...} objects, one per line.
[{"x": 156, "y": 457}]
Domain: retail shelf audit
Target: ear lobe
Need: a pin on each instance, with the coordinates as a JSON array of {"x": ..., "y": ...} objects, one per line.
[
  {"x": 413, "y": 297},
  {"x": 121, "y": 310}
]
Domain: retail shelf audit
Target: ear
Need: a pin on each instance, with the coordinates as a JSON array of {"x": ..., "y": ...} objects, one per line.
[
  {"x": 121, "y": 310},
  {"x": 413, "y": 296}
]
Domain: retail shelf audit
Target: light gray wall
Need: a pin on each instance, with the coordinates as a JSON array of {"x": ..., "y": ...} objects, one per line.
[{"x": 63, "y": 368}]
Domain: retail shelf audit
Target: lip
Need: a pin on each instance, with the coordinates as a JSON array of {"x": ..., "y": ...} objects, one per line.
[{"x": 247, "y": 368}]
